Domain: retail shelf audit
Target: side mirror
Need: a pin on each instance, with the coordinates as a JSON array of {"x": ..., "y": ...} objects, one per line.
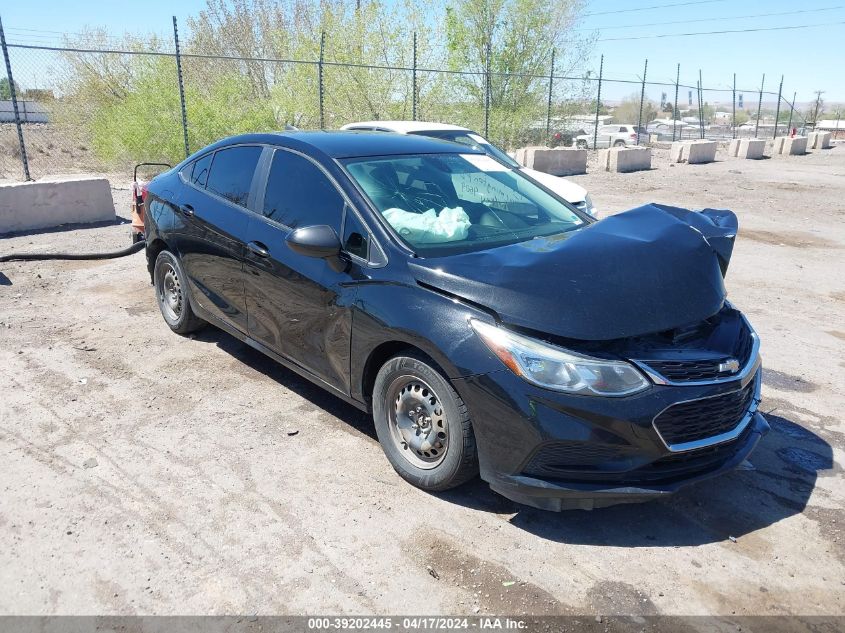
[{"x": 317, "y": 241}]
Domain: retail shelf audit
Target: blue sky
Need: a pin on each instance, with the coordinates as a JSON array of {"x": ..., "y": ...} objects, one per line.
[{"x": 809, "y": 58}]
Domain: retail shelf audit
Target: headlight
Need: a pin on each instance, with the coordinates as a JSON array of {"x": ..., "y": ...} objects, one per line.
[
  {"x": 552, "y": 367},
  {"x": 589, "y": 207}
]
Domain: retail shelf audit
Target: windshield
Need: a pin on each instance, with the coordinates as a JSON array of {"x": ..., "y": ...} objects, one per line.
[
  {"x": 442, "y": 204},
  {"x": 474, "y": 141}
]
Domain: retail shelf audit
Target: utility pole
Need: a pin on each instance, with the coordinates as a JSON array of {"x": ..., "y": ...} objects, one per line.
[{"x": 819, "y": 94}]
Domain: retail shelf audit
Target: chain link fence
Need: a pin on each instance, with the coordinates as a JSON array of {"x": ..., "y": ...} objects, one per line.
[{"x": 103, "y": 110}]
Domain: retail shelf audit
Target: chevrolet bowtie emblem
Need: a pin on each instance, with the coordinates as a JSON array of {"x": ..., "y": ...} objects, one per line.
[{"x": 731, "y": 365}]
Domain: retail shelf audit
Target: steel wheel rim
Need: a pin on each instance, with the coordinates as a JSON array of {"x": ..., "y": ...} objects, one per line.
[
  {"x": 170, "y": 296},
  {"x": 417, "y": 422}
]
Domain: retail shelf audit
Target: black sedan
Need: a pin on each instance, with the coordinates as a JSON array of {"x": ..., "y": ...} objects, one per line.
[{"x": 488, "y": 325}]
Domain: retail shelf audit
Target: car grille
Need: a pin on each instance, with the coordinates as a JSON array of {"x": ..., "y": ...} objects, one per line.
[
  {"x": 554, "y": 458},
  {"x": 704, "y": 418},
  {"x": 698, "y": 370},
  {"x": 683, "y": 465}
]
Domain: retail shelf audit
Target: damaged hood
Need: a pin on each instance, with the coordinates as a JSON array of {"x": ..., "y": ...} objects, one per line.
[{"x": 649, "y": 269}]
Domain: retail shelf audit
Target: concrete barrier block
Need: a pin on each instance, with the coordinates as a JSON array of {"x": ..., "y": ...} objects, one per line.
[
  {"x": 752, "y": 148},
  {"x": 794, "y": 146},
  {"x": 626, "y": 159},
  {"x": 557, "y": 162},
  {"x": 693, "y": 152},
  {"x": 818, "y": 140},
  {"x": 733, "y": 148},
  {"x": 824, "y": 143},
  {"x": 777, "y": 145},
  {"x": 604, "y": 159},
  {"x": 52, "y": 202},
  {"x": 701, "y": 151}
]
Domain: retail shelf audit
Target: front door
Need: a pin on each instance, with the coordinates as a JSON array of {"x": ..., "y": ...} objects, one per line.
[{"x": 297, "y": 305}]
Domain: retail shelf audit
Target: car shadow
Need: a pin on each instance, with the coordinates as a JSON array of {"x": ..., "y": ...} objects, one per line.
[
  {"x": 787, "y": 462},
  {"x": 288, "y": 378}
]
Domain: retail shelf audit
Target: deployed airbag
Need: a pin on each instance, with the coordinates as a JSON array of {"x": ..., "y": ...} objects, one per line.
[{"x": 429, "y": 227}]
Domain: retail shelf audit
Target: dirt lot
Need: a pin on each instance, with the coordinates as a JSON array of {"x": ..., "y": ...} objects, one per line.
[{"x": 147, "y": 473}]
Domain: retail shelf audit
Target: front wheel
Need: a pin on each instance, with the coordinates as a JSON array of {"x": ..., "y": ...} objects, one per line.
[
  {"x": 581, "y": 144},
  {"x": 423, "y": 425}
]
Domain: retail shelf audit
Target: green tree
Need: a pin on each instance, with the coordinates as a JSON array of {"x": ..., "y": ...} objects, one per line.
[
  {"x": 521, "y": 35},
  {"x": 251, "y": 65},
  {"x": 628, "y": 111},
  {"x": 5, "y": 89}
]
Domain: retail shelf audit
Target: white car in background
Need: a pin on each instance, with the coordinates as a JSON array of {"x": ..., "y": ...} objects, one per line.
[{"x": 569, "y": 191}]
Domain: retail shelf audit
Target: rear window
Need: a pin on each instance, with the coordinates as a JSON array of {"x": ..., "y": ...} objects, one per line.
[{"x": 231, "y": 172}]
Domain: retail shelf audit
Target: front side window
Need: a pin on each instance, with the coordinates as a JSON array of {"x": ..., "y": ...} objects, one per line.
[
  {"x": 300, "y": 194},
  {"x": 451, "y": 203},
  {"x": 231, "y": 172}
]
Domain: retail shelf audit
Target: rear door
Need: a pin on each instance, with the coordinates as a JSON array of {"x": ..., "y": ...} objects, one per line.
[
  {"x": 214, "y": 221},
  {"x": 298, "y": 306},
  {"x": 605, "y": 136}
]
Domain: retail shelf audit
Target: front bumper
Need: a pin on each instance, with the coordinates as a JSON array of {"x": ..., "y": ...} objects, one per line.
[{"x": 557, "y": 452}]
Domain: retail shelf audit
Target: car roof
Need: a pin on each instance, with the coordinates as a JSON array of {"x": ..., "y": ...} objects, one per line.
[
  {"x": 349, "y": 144},
  {"x": 406, "y": 127}
]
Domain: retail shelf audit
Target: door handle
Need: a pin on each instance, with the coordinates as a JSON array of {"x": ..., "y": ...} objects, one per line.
[
  {"x": 258, "y": 249},
  {"x": 187, "y": 210}
]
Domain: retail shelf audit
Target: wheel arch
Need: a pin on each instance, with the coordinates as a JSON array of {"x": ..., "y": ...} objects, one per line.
[
  {"x": 153, "y": 249},
  {"x": 379, "y": 355}
]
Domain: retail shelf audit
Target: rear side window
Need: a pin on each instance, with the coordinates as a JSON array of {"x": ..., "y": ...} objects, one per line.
[
  {"x": 300, "y": 194},
  {"x": 198, "y": 174},
  {"x": 231, "y": 173}
]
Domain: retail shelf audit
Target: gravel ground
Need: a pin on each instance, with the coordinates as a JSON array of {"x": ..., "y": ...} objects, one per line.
[{"x": 146, "y": 473}]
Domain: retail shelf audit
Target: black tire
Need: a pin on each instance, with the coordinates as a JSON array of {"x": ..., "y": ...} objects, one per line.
[
  {"x": 459, "y": 463},
  {"x": 619, "y": 144},
  {"x": 581, "y": 144},
  {"x": 170, "y": 285}
]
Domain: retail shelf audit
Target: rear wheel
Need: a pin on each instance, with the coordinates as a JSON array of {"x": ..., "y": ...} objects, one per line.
[
  {"x": 423, "y": 425},
  {"x": 581, "y": 144},
  {"x": 171, "y": 294},
  {"x": 619, "y": 144}
]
